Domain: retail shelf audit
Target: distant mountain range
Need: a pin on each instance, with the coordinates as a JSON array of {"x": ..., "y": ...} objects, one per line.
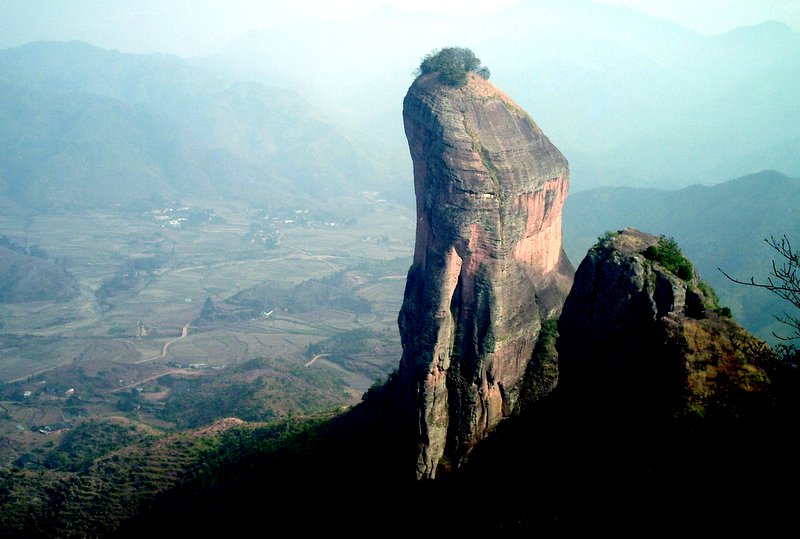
[
  {"x": 81, "y": 126},
  {"x": 717, "y": 227},
  {"x": 629, "y": 100}
]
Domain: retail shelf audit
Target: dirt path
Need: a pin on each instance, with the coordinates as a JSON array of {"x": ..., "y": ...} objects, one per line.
[
  {"x": 310, "y": 256},
  {"x": 33, "y": 374},
  {"x": 220, "y": 264},
  {"x": 315, "y": 358},
  {"x": 165, "y": 348},
  {"x": 151, "y": 378}
]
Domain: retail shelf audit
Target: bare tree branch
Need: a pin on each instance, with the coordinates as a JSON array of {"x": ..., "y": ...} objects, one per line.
[{"x": 784, "y": 281}]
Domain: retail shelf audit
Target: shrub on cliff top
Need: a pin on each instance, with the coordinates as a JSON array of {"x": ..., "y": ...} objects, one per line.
[
  {"x": 452, "y": 64},
  {"x": 668, "y": 254}
]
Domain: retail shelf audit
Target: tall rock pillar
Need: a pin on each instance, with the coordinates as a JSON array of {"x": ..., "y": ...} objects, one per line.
[{"x": 488, "y": 261}]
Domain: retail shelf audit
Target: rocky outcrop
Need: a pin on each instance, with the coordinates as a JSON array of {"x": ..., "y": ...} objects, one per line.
[
  {"x": 640, "y": 332},
  {"x": 488, "y": 262}
]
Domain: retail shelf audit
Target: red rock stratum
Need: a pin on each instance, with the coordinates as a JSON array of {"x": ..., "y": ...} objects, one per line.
[{"x": 488, "y": 261}]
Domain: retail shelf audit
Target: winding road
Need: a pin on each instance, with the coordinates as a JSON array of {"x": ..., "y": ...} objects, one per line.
[
  {"x": 315, "y": 358},
  {"x": 165, "y": 348}
]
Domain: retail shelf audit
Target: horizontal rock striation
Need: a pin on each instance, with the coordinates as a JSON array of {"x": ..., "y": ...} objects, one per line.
[{"x": 488, "y": 261}]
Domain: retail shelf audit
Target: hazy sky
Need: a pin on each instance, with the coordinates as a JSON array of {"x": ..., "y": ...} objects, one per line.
[
  {"x": 198, "y": 27},
  {"x": 716, "y": 16}
]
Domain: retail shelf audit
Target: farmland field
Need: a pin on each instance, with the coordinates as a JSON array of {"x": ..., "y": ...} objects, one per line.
[{"x": 137, "y": 342}]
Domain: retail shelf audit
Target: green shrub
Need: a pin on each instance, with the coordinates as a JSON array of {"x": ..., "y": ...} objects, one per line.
[
  {"x": 668, "y": 254},
  {"x": 453, "y": 64},
  {"x": 725, "y": 312},
  {"x": 712, "y": 300},
  {"x": 607, "y": 236},
  {"x": 90, "y": 440}
]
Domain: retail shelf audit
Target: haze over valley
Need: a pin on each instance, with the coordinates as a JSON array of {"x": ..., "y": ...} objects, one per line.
[{"x": 209, "y": 224}]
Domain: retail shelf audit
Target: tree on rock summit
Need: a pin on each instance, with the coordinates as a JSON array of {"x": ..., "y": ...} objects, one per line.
[{"x": 452, "y": 64}]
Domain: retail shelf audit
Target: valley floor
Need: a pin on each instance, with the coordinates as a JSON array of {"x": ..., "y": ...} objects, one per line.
[{"x": 131, "y": 340}]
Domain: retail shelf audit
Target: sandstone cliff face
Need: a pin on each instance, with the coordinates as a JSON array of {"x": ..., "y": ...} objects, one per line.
[
  {"x": 634, "y": 334},
  {"x": 488, "y": 262}
]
